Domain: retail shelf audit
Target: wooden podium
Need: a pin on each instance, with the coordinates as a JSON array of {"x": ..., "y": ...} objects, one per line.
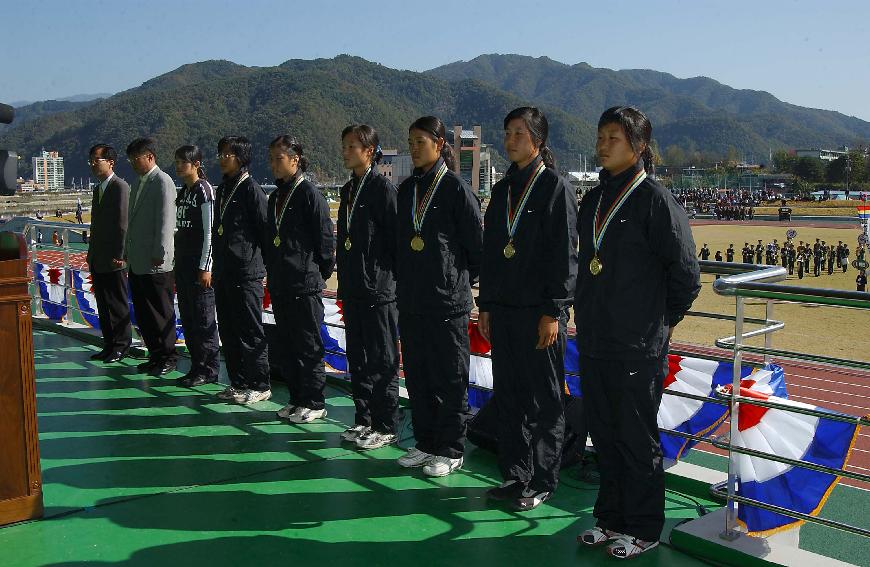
[{"x": 20, "y": 476}]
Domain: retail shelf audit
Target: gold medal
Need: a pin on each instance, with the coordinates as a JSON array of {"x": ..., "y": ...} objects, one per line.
[
  {"x": 221, "y": 230},
  {"x": 595, "y": 266},
  {"x": 277, "y": 241},
  {"x": 417, "y": 244},
  {"x": 347, "y": 243},
  {"x": 509, "y": 250}
]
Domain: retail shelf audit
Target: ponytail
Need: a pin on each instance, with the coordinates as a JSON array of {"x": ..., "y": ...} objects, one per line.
[
  {"x": 647, "y": 157},
  {"x": 547, "y": 157},
  {"x": 201, "y": 172},
  {"x": 448, "y": 155}
]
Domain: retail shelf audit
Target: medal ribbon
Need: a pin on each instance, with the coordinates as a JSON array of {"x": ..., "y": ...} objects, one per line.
[
  {"x": 513, "y": 215},
  {"x": 419, "y": 210},
  {"x": 352, "y": 208},
  {"x": 599, "y": 227},
  {"x": 226, "y": 202},
  {"x": 280, "y": 217}
]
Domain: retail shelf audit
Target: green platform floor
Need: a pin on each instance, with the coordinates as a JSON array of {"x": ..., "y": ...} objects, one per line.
[{"x": 138, "y": 471}]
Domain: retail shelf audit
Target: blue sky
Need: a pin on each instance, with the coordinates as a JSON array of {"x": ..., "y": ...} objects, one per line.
[{"x": 803, "y": 52}]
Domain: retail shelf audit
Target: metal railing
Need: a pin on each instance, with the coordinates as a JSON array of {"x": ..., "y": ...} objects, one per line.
[
  {"x": 741, "y": 281},
  {"x": 762, "y": 283}
]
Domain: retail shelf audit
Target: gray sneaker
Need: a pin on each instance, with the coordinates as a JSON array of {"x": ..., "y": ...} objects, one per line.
[
  {"x": 355, "y": 433},
  {"x": 306, "y": 415},
  {"x": 286, "y": 411},
  {"x": 231, "y": 394},
  {"x": 441, "y": 466},
  {"x": 375, "y": 439},
  {"x": 414, "y": 458},
  {"x": 254, "y": 396}
]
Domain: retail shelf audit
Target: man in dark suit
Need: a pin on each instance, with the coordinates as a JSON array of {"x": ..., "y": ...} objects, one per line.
[
  {"x": 150, "y": 253},
  {"x": 106, "y": 253}
]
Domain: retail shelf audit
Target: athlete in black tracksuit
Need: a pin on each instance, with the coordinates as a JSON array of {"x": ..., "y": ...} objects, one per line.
[
  {"x": 299, "y": 260},
  {"x": 193, "y": 255},
  {"x": 537, "y": 280},
  {"x": 433, "y": 290},
  {"x": 365, "y": 257},
  {"x": 239, "y": 236},
  {"x": 649, "y": 279}
]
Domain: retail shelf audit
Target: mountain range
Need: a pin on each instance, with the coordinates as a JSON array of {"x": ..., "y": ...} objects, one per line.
[{"x": 314, "y": 99}]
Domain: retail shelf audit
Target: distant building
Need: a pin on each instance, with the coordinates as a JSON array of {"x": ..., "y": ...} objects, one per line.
[
  {"x": 386, "y": 165},
  {"x": 487, "y": 172},
  {"x": 48, "y": 171},
  {"x": 402, "y": 167},
  {"x": 824, "y": 155},
  {"x": 467, "y": 146}
]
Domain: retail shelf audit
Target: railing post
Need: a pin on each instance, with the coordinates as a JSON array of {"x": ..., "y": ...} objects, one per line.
[
  {"x": 768, "y": 337},
  {"x": 67, "y": 277},
  {"x": 730, "y": 533}
]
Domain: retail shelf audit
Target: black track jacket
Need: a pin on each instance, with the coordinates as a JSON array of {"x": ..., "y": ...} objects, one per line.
[
  {"x": 303, "y": 259},
  {"x": 238, "y": 252},
  {"x": 650, "y": 274},
  {"x": 366, "y": 272},
  {"x": 543, "y": 272},
  {"x": 437, "y": 280}
]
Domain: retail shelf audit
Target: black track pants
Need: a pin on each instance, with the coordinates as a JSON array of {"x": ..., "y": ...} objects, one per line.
[
  {"x": 298, "y": 320},
  {"x": 435, "y": 356},
  {"x": 528, "y": 385},
  {"x": 621, "y": 401},
  {"x": 240, "y": 325},
  {"x": 371, "y": 336}
]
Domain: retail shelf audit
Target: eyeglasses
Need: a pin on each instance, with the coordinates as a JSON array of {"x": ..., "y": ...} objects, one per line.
[
  {"x": 95, "y": 161},
  {"x": 136, "y": 158},
  {"x": 226, "y": 156}
]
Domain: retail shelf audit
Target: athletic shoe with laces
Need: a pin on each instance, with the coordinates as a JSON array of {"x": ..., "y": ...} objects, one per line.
[
  {"x": 354, "y": 433},
  {"x": 508, "y": 490},
  {"x": 598, "y": 536},
  {"x": 530, "y": 499},
  {"x": 414, "y": 458},
  {"x": 306, "y": 415},
  {"x": 254, "y": 396},
  {"x": 230, "y": 393},
  {"x": 375, "y": 439},
  {"x": 441, "y": 466},
  {"x": 628, "y": 547},
  {"x": 286, "y": 411}
]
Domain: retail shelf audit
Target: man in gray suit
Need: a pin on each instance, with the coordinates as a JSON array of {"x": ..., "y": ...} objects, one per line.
[
  {"x": 106, "y": 253},
  {"x": 150, "y": 253}
]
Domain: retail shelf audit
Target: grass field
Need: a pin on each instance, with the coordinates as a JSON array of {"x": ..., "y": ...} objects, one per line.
[{"x": 830, "y": 331}]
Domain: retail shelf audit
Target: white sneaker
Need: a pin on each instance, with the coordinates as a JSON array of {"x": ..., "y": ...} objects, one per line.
[
  {"x": 441, "y": 466},
  {"x": 355, "y": 433},
  {"x": 627, "y": 547},
  {"x": 414, "y": 458},
  {"x": 230, "y": 393},
  {"x": 254, "y": 396},
  {"x": 375, "y": 439},
  {"x": 306, "y": 415},
  {"x": 286, "y": 411}
]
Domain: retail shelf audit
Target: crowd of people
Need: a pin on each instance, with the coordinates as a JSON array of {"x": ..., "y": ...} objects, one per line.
[
  {"x": 729, "y": 204},
  {"x": 803, "y": 258},
  {"x": 406, "y": 258}
]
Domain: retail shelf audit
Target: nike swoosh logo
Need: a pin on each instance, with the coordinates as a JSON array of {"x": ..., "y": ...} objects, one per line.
[
  {"x": 632, "y": 373},
  {"x": 623, "y": 220}
]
